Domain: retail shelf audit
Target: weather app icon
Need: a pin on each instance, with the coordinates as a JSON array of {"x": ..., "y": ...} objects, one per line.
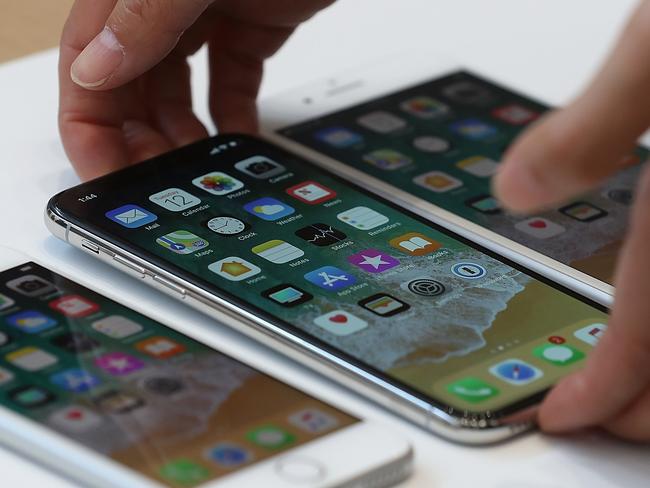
[{"x": 269, "y": 209}]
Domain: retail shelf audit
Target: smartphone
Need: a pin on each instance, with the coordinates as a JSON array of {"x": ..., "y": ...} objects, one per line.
[
  {"x": 430, "y": 134},
  {"x": 111, "y": 397},
  {"x": 430, "y": 324}
]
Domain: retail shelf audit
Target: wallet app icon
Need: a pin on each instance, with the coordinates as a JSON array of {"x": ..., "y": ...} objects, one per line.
[{"x": 131, "y": 216}]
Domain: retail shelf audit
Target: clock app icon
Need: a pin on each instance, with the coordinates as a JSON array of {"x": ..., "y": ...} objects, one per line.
[{"x": 227, "y": 226}]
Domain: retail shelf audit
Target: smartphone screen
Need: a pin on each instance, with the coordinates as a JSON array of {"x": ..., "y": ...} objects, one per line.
[
  {"x": 134, "y": 390},
  {"x": 405, "y": 299},
  {"x": 442, "y": 141}
]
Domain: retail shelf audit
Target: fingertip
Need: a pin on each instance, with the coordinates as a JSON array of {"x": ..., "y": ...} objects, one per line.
[
  {"x": 99, "y": 60},
  {"x": 560, "y": 412},
  {"x": 517, "y": 187}
]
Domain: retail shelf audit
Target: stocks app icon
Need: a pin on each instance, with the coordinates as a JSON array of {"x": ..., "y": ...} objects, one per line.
[{"x": 321, "y": 235}]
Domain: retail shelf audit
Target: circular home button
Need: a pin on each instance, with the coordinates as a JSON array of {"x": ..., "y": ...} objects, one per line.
[{"x": 300, "y": 470}]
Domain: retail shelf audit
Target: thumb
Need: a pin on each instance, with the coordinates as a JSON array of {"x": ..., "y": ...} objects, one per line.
[{"x": 137, "y": 35}]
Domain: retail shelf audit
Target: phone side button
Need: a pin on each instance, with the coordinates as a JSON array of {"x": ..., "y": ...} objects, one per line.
[
  {"x": 133, "y": 268},
  {"x": 170, "y": 286},
  {"x": 300, "y": 470}
]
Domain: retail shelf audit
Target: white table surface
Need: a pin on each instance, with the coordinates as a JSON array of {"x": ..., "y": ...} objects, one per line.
[{"x": 546, "y": 48}]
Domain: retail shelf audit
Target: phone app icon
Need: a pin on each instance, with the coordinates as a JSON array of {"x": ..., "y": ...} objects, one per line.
[
  {"x": 474, "y": 129},
  {"x": 558, "y": 354},
  {"x": 311, "y": 192},
  {"x": 313, "y": 420},
  {"x": 6, "y": 376},
  {"x": 131, "y": 216},
  {"x": 278, "y": 252},
  {"x": 516, "y": 372},
  {"x": 218, "y": 183},
  {"x": 118, "y": 363},
  {"x": 175, "y": 199},
  {"x": 425, "y": 107},
  {"x": 76, "y": 342},
  {"x": 387, "y": 159},
  {"x": 229, "y": 455},
  {"x": 117, "y": 327},
  {"x": 118, "y": 402},
  {"x": 31, "y": 321},
  {"x": 75, "y": 419},
  {"x": 373, "y": 261},
  {"x": 384, "y": 305},
  {"x": 185, "y": 472},
  {"x": 381, "y": 122},
  {"x": 31, "y": 359},
  {"x": 6, "y": 302},
  {"x": 268, "y": 209},
  {"x": 583, "y": 212},
  {"x": 260, "y": 167},
  {"x": 468, "y": 92},
  {"x": 31, "y": 286},
  {"x": 31, "y": 396},
  {"x": 160, "y": 347},
  {"x": 74, "y": 306},
  {"x": 591, "y": 334},
  {"x": 340, "y": 323},
  {"x": 75, "y": 380},
  {"x": 472, "y": 390},
  {"x": 287, "y": 295},
  {"x": 362, "y": 218},
  {"x": 330, "y": 278},
  {"x": 431, "y": 144},
  {"x": 321, "y": 235},
  {"x": 424, "y": 287},
  {"x": 338, "y": 137},
  {"x": 469, "y": 271},
  {"x": 271, "y": 437},
  {"x": 437, "y": 181},
  {"x": 227, "y": 226},
  {"x": 540, "y": 228},
  {"x": 182, "y": 242},
  {"x": 415, "y": 244},
  {"x": 234, "y": 269},
  {"x": 485, "y": 204},
  {"x": 515, "y": 114},
  {"x": 479, "y": 166}
]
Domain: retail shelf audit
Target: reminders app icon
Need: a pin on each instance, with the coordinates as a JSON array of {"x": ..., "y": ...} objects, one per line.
[{"x": 131, "y": 216}]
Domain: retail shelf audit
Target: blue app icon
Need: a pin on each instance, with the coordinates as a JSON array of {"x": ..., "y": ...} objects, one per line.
[
  {"x": 473, "y": 129},
  {"x": 75, "y": 380},
  {"x": 516, "y": 372},
  {"x": 31, "y": 321},
  {"x": 131, "y": 216},
  {"x": 269, "y": 209},
  {"x": 338, "y": 137},
  {"x": 330, "y": 278},
  {"x": 229, "y": 455}
]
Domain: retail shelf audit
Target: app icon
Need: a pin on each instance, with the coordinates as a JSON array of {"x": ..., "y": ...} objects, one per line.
[
  {"x": 287, "y": 295},
  {"x": 175, "y": 199},
  {"x": 340, "y": 323},
  {"x": 362, "y": 218},
  {"x": 425, "y": 107},
  {"x": 479, "y": 166},
  {"x": 75, "y": 342},
  {"x": 373, "y": 261},
  {"x": 31, "y": 286},
  {"x": 31, "y": 359},
  {"x": 473, "y": 129},
  {"x": 313, "y": 421},
  {"x": 591, "y": 334},
  {"x": 268, "y": 209},
  {"x": 117, "y": 327},
  {"x": 260, "y": 167},
  {"x": 558, "y": 354},
  {"x": 74, "y": 306},
  {"x": 271, "y": 437},
  {"x": 387, "y": 159},
  {"x": 330, "y": 278},
  {"x": 415, "y": 244},
  {"x": 338, "y": 137},
  {"x": 321, "y": 235},
  {"x": 540, "y": 228},
  {"x": 75, "y": 419},
  {"x": 515, "y": 114},
  {"x": 184, "y": 472},
  {"x": 472, "y": 390},
  {"x": 431, "y": 144},
  {"x": 182, "y": 242},
  {"x": 467, "y": 92},
  {"x": 384, "y": 305},
  {"x": 118, "y": 363},
  {"x": 229, "y": 455},
  {"x": 437, "y": 181},
  {"x": 162, "y": 385},
  {"x": 218, "y": 183},
  {"x": 424, "y": 287},
  {"x": 468, "y": 271},
  {"x": 6, "y": 376},
  {"x": 516, "y": 372},
  {"x": 621, "y": 196},
  {"x": 311, "y": 192},
  {"x": 75, "y": 380},
  {"x": 381, "y": 122},
  {"x": 486, "y": 204},
  {"x": 4, "y": 339},
  {"x": 31, "y": 396},
  {"x": 278, "y": 252},
  {"x": 234, "y": 268},
  {"x": 583, "y": 212},
  {"x": 6, "y": 302},
  {"x": 227, "y": 226},
  {"x": 131, "y": 216},
  {"x": 160, "y": 347},
  {"x": 118, "y": 402},
  {"x": 31, "y": 321}
]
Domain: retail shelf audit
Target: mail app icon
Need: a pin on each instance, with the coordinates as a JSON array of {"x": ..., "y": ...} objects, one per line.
[{"x": 131, "y": 216}]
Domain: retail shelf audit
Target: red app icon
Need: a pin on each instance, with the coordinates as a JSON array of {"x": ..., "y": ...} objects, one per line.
[
  {"x": 311, "y": 192},
  {"x": 515, "y": 114},
  {"x": 74, "y": 306}
]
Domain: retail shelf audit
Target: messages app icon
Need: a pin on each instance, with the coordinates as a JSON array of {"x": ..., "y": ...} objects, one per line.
[
  {"x": 131, "y": 216},
  {"x": 268, "y": 209}
]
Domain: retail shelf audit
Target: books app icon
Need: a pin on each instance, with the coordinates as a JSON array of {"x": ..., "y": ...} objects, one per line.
[{"x": 415, "y": 244}]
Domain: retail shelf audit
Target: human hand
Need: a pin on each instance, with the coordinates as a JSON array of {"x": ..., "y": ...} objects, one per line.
[
  {"x": 124, "y": 79},
  {"x": 568, "y": 152}
]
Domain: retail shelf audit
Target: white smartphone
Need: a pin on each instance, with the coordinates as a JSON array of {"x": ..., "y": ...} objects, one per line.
[
  {"x": 429, "y": 133},
  {"x": 110, "y": 397}
]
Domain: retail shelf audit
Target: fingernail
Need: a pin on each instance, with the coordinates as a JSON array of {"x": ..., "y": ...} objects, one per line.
[{"x": 98, "y": 61}]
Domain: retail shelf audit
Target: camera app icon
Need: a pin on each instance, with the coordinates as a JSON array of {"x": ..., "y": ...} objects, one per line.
[
  {"x": 260, "y": 167},
  {"x": 31, "y": 286}
]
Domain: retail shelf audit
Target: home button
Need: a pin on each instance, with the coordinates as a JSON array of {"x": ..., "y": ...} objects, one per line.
[{"x": 300, "y": 470}]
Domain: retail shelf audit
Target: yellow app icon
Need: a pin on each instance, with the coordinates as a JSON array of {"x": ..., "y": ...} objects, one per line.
[
  {"x": 479, "y": 166},
  {"x": 437, "y": 181},
  {"x": 278, "y": 252},
  {"x": 234, "y": 269},
  {"x": 415, "y": 244}
]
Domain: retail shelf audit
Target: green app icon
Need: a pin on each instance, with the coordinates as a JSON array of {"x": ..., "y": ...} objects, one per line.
[
  {"x": 182, "y": 242},
  {"x": 271, "y": 437},
  {"x": 184, "y": 472},
  {"x": 558, "y": 354},
  {"x": 472, "y": 390}
]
